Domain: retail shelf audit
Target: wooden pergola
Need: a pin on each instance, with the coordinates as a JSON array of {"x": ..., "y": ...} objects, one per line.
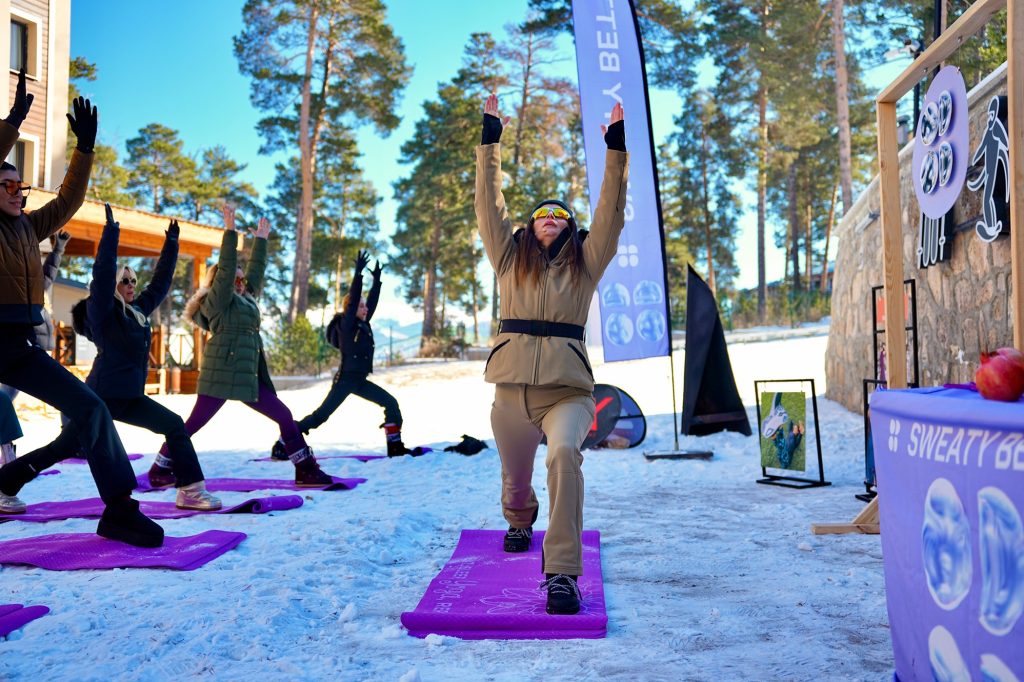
[{"x": 142, "y": 235}]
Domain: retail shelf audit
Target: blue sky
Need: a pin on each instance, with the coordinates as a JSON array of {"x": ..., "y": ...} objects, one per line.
[{"x": 172, "y": 63}]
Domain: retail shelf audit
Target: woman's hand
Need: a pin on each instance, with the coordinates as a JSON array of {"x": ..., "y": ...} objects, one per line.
[
  {"x": 362, "y": 260},
  {"x": 228, "y": 211},
  {"x": 110, "y": 216},
  {"x": 22, "y": 102},
  {"x": 84, "y": 124},
  {"x": 493, "y": 123},
  {"x": 615, "y": 132},
  {"x": 262, "y": 230}
]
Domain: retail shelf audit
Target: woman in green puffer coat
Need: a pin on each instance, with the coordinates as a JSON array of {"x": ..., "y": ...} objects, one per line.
[{"x": 234, "y": 366}]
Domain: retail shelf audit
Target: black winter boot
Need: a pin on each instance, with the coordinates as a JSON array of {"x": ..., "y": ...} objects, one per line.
[
  {"x": 277, "y": 451},
  {"x": 563, "y": 594},
  {"x": 518, "y": 539},
  {"x": 308, "y": 473},
  {"x": 122, "y": 521}
]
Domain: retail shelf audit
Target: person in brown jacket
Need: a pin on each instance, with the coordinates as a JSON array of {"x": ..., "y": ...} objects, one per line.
[
  {"x": 547, "y": 275},
  {"x": 26, "y": 366}
]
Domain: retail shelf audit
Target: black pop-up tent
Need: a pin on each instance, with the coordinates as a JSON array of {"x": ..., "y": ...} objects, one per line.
[{"x": 711, "y": 402}]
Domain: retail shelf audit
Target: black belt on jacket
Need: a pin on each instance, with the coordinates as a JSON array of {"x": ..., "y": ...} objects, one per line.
[{"x": 542, "y": 328}]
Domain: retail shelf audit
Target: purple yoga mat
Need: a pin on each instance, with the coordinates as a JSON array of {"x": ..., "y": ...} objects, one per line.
[
  {"x": 82, "y": 460},
  {"x": 92, "y": 508},
  {"x": 486, "y": 593},
  {"x": 15, "y": 616},
  {"x": 72, "y": 551},
  {"x": 246, "y": 485},
  {"x": 361, "y": 458}
]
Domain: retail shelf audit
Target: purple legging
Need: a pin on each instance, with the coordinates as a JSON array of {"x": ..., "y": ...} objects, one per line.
[{"x": 267, "y": 404}]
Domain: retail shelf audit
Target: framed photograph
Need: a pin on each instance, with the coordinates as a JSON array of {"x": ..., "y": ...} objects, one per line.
[{"x": 784, "y": 431}]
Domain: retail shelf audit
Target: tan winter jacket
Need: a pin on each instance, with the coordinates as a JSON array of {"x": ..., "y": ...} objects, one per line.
[
  {"x": 21, "y": 267},
  {"x": 546, "y": 360}
]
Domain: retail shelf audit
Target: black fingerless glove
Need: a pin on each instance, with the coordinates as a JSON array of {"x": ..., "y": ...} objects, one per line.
[
  {"x": 173, "y": 230},
  {"x": 615, "y": 137},
  {"x": 491, "y": 132}
]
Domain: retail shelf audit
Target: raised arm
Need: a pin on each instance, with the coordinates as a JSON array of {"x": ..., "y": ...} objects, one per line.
[
  {"x": 104, "y": 272},
  {"x": 55, "y": 213},
  {"x": 20, "y": 109},
  {"x": 491, "y": 214},
  {"x": 52, "y": 264},
  {"x": 223, "y": 288},
  {"x": 156, "y": 291},
  {"x": 374, "y": 295},
  {"x": 257, "y": 267},
  {"x": 355, "y": 292},
  {"x": 609, "y": 217}
]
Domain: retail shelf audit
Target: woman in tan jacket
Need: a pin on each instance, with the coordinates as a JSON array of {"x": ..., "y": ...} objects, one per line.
[{"x": 547, "y": 275}]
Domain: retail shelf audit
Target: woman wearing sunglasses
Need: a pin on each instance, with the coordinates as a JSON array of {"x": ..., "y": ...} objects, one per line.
[
  {"x": 26, "y": 366},
  {"x": 233, "y": 366},
  {"x": 116, "y": 318},
  {"x": 547, "y": 275}
]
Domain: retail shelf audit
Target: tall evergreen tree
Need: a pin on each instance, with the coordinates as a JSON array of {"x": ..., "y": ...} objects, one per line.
[{"x": 160, "y": 173}]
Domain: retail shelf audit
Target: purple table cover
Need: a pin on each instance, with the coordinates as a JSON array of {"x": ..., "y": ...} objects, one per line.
[
  {"x": 92, "y": 508},
  {"x": 247, "y": 485},
  {"x": 15, "y": 616},
  {"x": 361, "y": 458},
  {"x": 951, "y": 495},
  {"x": 73, "y": 551},
  {"x": 82, "y": 460},
  {"x": 486, "y": 593}
]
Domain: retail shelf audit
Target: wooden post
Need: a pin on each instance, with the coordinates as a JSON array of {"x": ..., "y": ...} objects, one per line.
[
  {"x": 892, "y": 245},
  {"x": 1015, "y": 96}
]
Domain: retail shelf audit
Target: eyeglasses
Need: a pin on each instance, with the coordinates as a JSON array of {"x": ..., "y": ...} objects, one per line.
[
  {"x": 15, "y": 186},
  {"x": 556, "y": 211},
  {"x": 129, "y": 280}
]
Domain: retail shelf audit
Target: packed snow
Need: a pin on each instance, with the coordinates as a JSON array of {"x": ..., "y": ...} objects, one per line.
[{"x": 708, "y": 575}]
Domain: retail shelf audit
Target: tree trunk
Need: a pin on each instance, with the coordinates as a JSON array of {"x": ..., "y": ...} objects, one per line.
[
  {"x": 762, "y": 191},
  {"x": 476, "y": 312},
  {"x": 794, "y": 226},
  {"x": 842, "y": 104},
  {"x": 808, "y": 244},
  {"x": 823, "y": 285},
  {"x": 299, "y": 299},
  {"x": 430, "y": 284},
  {"x": 707, "y": 207}
]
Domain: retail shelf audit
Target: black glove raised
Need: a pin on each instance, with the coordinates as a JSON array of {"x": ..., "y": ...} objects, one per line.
[
  {"x": 615, "y": 137},
  {"x": 492, "y": 130},
  {"x": 377, "y": 269},
  {"x": 83, "y": 124},
  {"x": 22, "y": 102},
  {"x": 173, "y": 231},
  {"x": 110, "y": 217},
  {"x": 362, "y": 260}
]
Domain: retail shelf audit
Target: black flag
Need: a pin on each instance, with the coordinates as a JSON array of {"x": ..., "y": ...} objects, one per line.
[{"x": 711, "y": 402}]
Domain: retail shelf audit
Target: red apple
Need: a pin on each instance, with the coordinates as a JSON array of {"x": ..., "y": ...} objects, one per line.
[{"x": 1001, "y": 375}]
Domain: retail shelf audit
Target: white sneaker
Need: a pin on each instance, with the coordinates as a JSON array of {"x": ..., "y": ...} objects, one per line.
[
  {"x": 11, "y": 504},
  {"x": 195, "y": 496}
]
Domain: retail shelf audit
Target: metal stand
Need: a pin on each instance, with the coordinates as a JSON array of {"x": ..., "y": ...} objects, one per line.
[{"x": 793, "y": 481}]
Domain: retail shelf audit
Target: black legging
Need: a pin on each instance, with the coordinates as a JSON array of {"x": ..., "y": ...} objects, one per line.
[
  {"x": 30, "y": 369},
  {"x": 141, "y": 411},
  {"x": 343, "y": 386}
]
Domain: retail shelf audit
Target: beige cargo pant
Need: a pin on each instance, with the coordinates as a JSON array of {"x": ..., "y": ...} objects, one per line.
[{"x": 521, "y": 414}]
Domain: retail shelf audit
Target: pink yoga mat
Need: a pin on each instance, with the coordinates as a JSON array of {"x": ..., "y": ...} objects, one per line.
[
  {"x": 82, "y": 460},
  {"x": 15, "y": 616},
  {"x": 361, "y": 458},
  {"x": 92, "y": 508},
  {"x": 486, "y": 593},
  {"x": 73, "y": 551},
  {"x": 246, "y": 485}
]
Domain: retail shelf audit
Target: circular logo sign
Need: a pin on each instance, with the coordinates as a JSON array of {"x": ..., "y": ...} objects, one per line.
[{"x": 941, "y": 152}]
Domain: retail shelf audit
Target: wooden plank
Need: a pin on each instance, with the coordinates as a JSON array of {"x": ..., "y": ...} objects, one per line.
[
  {"x": 1015, "y": 118},
  {"x": 845, "y": 528},
  {"x": 969, "y": 23},
  {"x": 892, "y": 245},
  {"x": 869, "y": 514}
]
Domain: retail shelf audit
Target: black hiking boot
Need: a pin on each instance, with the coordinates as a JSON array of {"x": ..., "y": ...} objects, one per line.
[
  {"x": 277, "y": 451},
  {"x": 308, "y": 473},
  {"x": 563, "y": 594},
  {"x": 122, "y": 521},
  {"x": 518, "y": 539}
]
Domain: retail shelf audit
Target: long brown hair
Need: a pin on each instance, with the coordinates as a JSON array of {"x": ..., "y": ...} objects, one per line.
[{"x": 530, "y": 258}]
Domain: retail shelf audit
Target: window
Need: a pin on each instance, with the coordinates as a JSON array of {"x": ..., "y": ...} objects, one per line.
[
  {"x": 17, "y": 157},
  {"x": 19, "y": 45},
  {"x": 23, "y": 157}
]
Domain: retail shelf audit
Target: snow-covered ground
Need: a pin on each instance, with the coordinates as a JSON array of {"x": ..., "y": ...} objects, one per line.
[{"x": 708, "y": 576}]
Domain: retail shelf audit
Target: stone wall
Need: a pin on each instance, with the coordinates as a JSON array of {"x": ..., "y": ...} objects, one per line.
[{"x": 963, "y": 304}]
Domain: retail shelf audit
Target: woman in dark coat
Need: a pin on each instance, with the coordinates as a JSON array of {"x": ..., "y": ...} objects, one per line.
[
  {"x": 233, "y": 366},
  {"x": 350, "y": 332},
  {"x": 117, "y": 321}
]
